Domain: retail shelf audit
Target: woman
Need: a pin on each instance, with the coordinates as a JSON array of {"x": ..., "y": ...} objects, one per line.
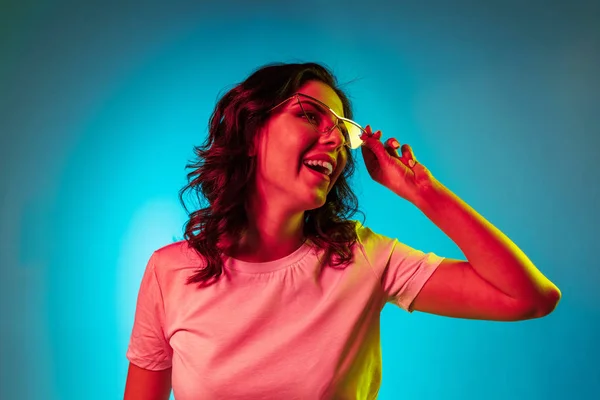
[{"x": 275, "y": 293}]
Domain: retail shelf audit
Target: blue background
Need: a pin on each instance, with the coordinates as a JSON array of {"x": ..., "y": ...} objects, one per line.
[{"x": 101, "y": 104}]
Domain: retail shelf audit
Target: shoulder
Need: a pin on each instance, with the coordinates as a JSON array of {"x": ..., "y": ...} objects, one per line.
[
  {"x": 173, "y": 263},
  {"x": 171, "y": 248},
  {"x": 174, "y": 255},
  {"x": 368, "y": 238},
  {"x": 362, "y": 232}
]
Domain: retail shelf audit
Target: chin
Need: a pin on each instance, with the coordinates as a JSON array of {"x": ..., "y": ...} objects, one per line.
[
  {"x": 315, "y": 207},
  {"x": 317, "y": 202}
]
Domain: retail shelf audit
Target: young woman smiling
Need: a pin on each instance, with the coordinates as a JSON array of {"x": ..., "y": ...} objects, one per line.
[{"x": 275, "y": 292}]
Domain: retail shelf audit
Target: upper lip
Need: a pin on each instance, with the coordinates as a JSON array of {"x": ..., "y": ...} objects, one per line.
[{"x": 323, "y": 157}]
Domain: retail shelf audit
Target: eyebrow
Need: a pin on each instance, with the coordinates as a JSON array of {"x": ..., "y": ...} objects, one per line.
[
  {"x": 320, "y": 106},
  {"x": 328, "y": 108},
  {"x": 317, "y": 102}
]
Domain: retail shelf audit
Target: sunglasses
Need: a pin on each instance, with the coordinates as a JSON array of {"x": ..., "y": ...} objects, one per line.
[{"x": 324, "y": 119}]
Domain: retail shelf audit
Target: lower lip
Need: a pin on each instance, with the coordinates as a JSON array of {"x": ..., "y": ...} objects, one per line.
[{"x": 317, "y": 173}]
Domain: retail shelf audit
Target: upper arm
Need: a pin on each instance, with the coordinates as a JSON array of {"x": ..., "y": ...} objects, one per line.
[
  {"x": 456, "y": 290},
  {"x": 144, "y": 384}
]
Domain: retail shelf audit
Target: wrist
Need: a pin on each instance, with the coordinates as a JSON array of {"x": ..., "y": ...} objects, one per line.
[{"x": 428, "y": 193}]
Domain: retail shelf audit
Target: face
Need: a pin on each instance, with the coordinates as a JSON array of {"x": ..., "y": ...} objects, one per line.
[{"x": 282, "y": 145}]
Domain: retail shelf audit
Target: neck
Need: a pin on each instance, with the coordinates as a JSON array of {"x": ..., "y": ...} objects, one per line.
[{"x": 267, "y": 239}]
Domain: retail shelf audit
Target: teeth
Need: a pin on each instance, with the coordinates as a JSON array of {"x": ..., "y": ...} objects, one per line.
[{"x": 325, "y": 164}]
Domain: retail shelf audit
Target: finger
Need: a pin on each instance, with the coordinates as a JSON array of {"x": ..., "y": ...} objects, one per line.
[
  {"x": 407, "y": 151},
  {"x": 409, "y": 155},
  {"x": 392, "y": 146},
  {"x": 373, "y": 144},
  {"x": 367, "y": 133}
]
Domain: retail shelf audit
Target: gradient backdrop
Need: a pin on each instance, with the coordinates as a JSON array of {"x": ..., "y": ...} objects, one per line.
[{"x": 100, "y": 105}]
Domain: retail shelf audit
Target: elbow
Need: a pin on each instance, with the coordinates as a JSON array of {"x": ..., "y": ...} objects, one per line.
[{"x": 548, "y": 304}]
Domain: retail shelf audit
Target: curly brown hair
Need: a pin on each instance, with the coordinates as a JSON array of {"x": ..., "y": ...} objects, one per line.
[{"x": 223, "y": 171}]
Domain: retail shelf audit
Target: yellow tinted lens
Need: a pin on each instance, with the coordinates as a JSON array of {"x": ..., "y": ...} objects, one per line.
[{"x": 354, "y": 133}]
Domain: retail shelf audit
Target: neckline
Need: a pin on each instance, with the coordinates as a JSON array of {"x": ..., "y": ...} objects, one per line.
[{"x": 268, "y": 266}]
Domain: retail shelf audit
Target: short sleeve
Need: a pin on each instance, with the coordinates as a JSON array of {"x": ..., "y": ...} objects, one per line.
[
  {"x": 406, "y": 274},
  {"x": 403, "y": 270},
  {"x": 148, "y": 347}
]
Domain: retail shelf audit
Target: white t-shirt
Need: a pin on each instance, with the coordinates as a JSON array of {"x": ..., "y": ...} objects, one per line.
[{"x": 274, "y": 330}]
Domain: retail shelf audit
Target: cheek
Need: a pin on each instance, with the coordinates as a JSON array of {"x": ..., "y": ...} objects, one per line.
[
  {"x": 290, "y": 142},
  {"x": 282, "y": 151},
  {"x": 281, "y": 162},
  {"x": 340, "y": 168}
]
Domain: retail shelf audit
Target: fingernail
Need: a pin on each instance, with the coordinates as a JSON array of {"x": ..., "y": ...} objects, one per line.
[
  {"x": 395, "y": 144},
  {"x": 411, "y": 163}
]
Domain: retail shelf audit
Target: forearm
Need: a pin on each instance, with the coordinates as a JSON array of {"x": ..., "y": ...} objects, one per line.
[{"x": 490, "y": 252}]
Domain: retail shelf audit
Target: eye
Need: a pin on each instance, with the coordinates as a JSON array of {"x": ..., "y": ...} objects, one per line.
[{"x": 311, "y": 116}]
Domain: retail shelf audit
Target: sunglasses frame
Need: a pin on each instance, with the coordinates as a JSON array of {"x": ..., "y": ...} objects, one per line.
[{"x": 337, "y": 123}]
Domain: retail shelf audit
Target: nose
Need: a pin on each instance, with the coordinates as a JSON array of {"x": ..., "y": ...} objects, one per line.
[{"x": 335, "y": 135}]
